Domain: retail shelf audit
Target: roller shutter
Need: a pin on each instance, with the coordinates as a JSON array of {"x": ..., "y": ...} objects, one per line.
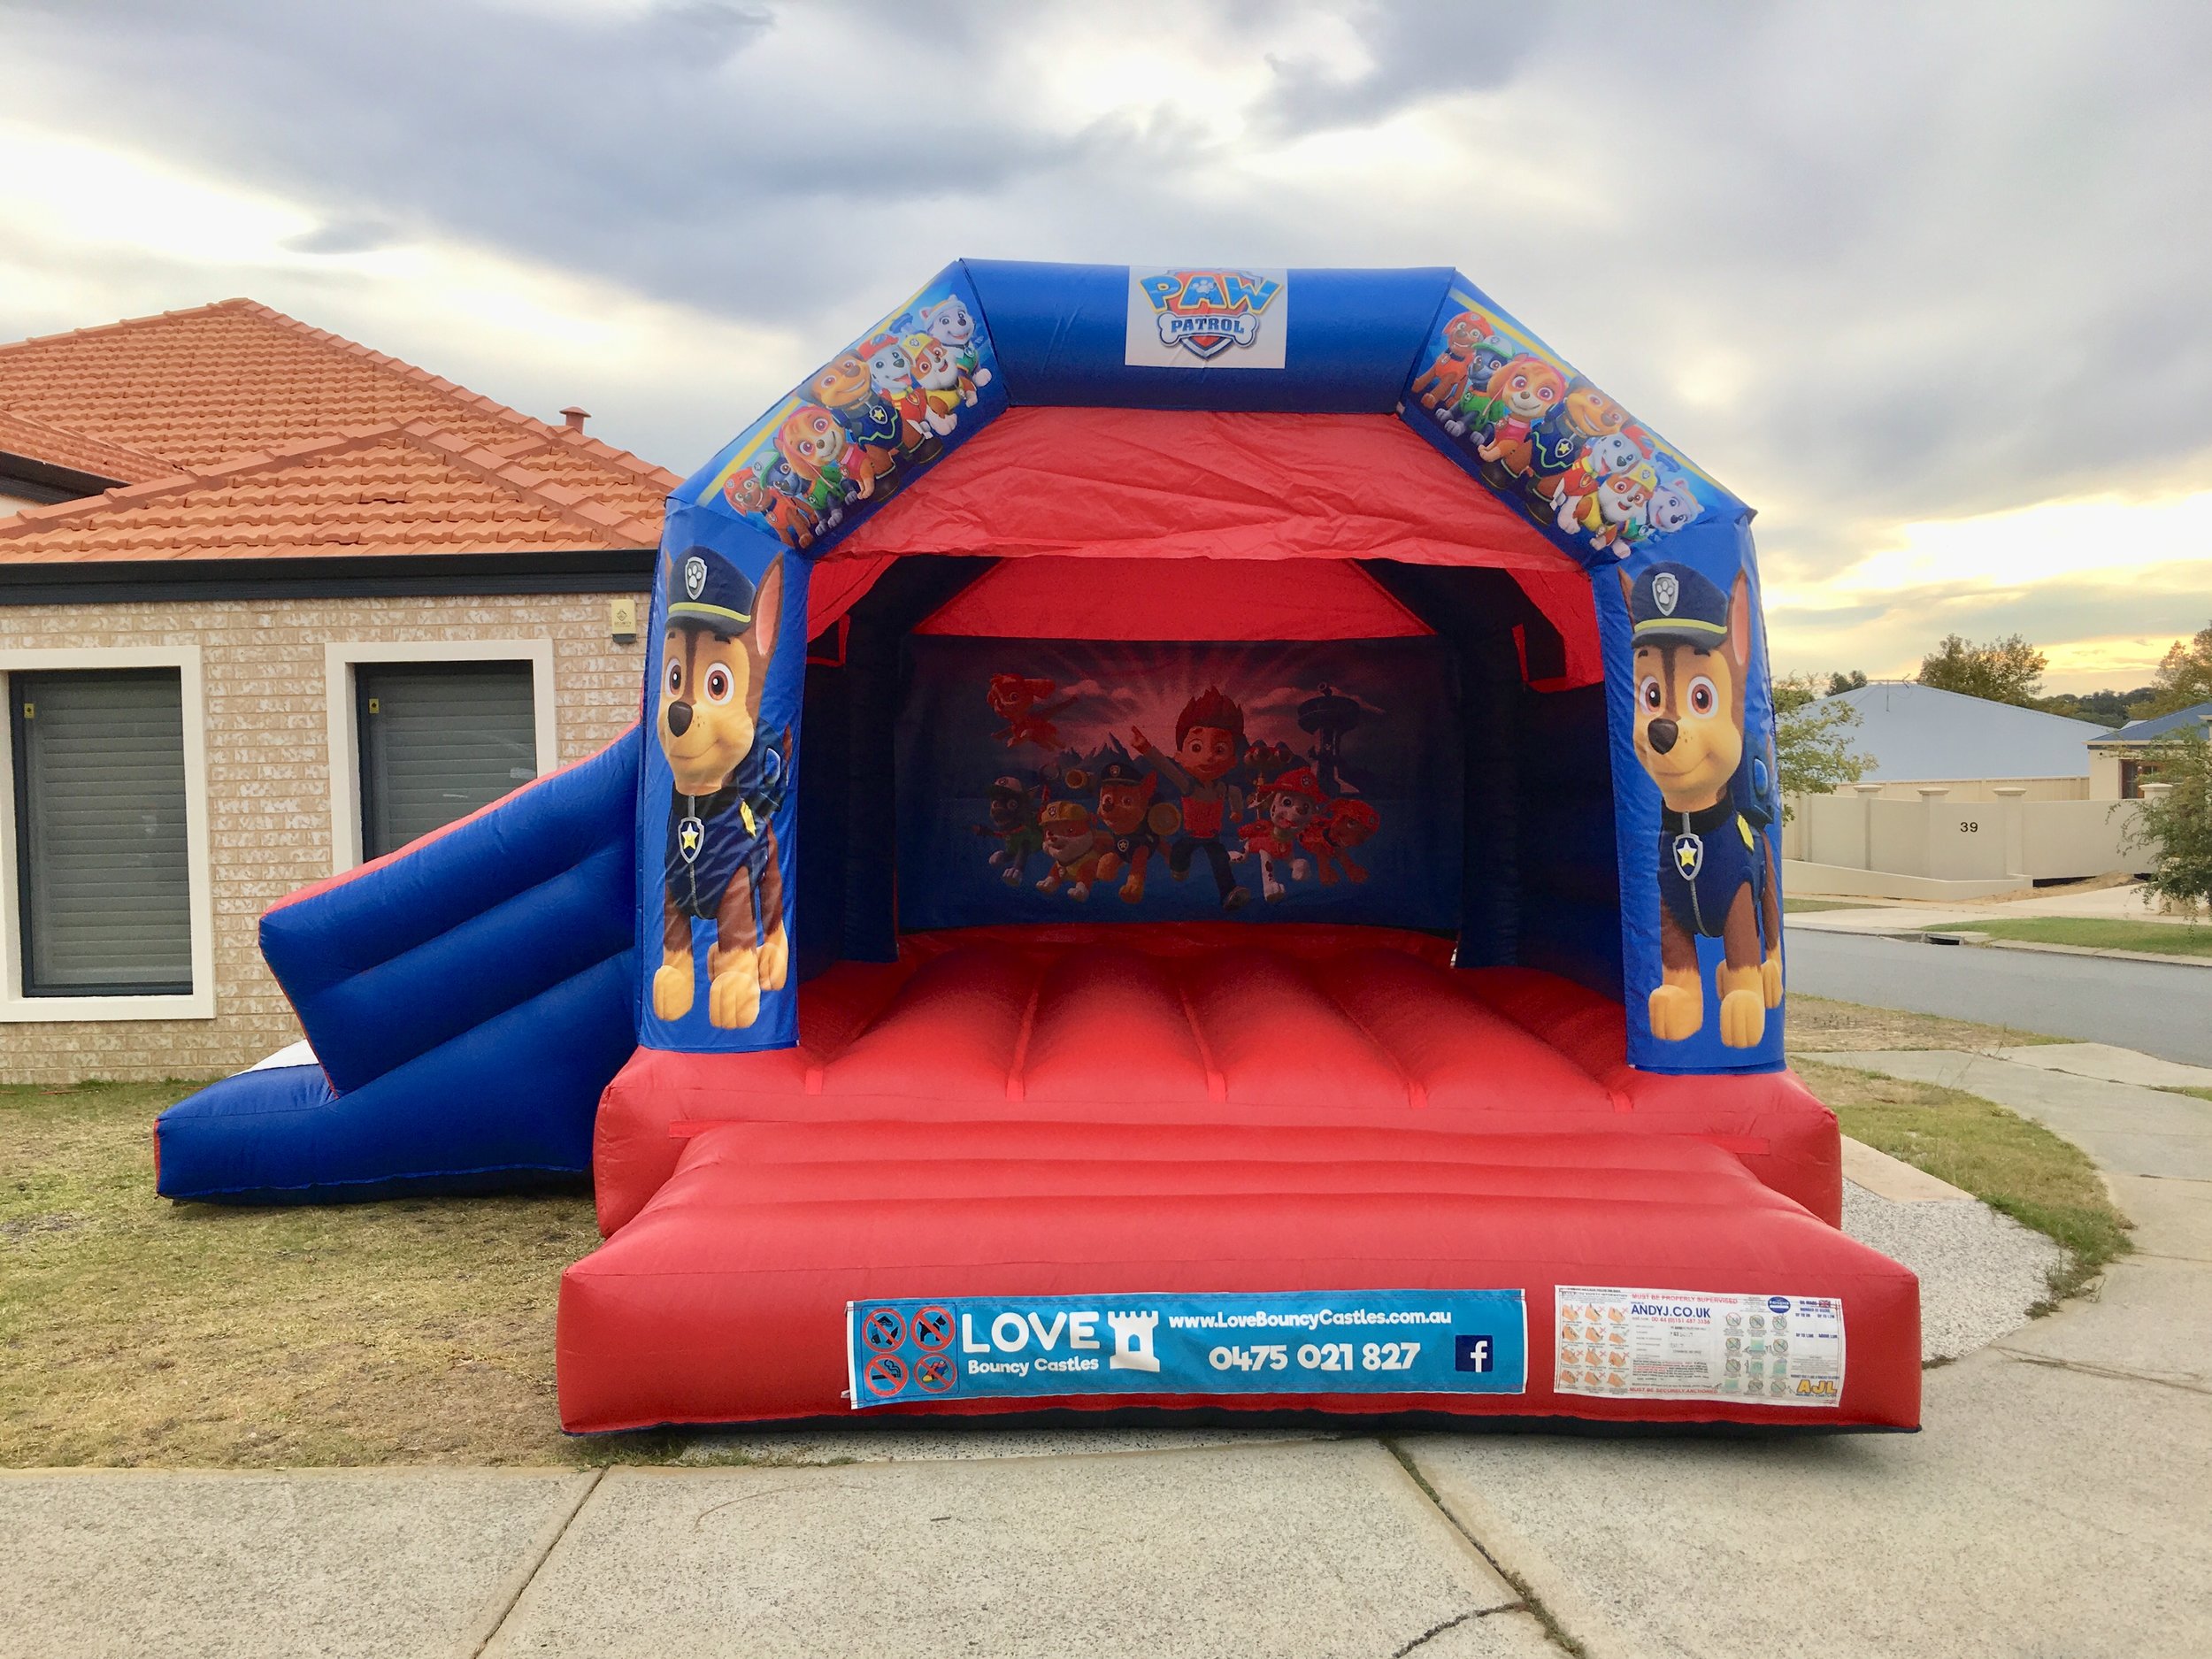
[
  {"x": 102, "y": 865},
  {"x": 437, "y": 741}
]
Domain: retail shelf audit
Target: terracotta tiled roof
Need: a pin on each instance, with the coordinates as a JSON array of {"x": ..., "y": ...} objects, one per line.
[
  {"x": 38, "y": 441},
  {"x": 391, "y": 489},
  {"x": 196, "y": 388}
]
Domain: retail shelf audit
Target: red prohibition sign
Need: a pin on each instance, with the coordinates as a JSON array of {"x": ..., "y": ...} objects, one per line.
[
  {"x": 932, "y": 1327},
  {"x": 934, "y": 1373},
  {"x": 884, "y": 1375},
  {"x": 883, "y": 1329}
]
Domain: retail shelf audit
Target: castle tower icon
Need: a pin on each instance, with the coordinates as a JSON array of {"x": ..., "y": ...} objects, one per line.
[{"x": 1132, "y": 1341}]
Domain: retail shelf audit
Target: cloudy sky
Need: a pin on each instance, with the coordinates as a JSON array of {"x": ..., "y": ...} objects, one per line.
[{"x": 1927, "y": 285}]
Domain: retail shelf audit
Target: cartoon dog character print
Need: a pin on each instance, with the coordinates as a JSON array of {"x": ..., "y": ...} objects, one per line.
[
  {"x": 1013, "y": 806},
  {"x": 1613, "y": 513},
  {"x": 944, "y": 384},
  {"x": 1020, "y": 703},
  {"x": 843, "y": 386},
  {"x": 791, "y": 517},
  {"x": 1442, "y": 382},
  {"x": 1527, "y": 389},
  {"x": 1075, "y": 845},
  {"x": 1603, "y": 457},
  {"x": 1672, "y": 507},
  {"x": 891, "y": 375},
  {"x": 1331, "y": 839},
  {"x": 1477, "y": 410},
  {"x": 1692, "y": 657},
  {"x": 950, "y": 323},
  {"x": 1289, "y": 806},
  {"x": 1124, "y": 814},
  {"x": 1562, "y": 437},
  {"x": 722, "y": 863},
  {"x": 815, "y": 451}
]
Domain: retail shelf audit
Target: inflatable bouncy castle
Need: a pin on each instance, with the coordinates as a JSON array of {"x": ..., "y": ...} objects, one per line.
[{"x": 1200, "y": 841}]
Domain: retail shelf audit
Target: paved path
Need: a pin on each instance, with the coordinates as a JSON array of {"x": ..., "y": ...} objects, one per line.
[
  {"x": 2054, "y": 1506},
  {"x": 2159, "y": 1008}
]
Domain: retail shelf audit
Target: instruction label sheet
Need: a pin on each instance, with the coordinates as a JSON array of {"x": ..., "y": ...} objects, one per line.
[{"x": 1639, "y": 1344}]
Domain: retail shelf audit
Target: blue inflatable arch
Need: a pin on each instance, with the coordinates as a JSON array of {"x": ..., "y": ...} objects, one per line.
[{"x": 1625, "y": 894}]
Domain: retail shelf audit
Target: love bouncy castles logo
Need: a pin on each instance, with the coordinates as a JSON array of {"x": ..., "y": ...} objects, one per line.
[{"x": 1207, "y": 319}]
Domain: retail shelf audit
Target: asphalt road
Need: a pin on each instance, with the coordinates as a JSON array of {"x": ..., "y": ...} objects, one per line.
[{"x": 2144, "y": 1005}]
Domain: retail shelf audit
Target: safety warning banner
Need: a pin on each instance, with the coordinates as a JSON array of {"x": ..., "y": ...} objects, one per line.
[
  {"x": 912, "y": 1350},
  {"x": 1692, "y": 1345}
]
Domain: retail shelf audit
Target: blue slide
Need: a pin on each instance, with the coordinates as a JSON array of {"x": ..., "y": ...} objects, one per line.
[{"x": 467, "y": 999}]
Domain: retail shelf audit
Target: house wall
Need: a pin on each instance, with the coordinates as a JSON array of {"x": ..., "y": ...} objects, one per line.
[
  {"x": 1982, "y": 789},
  {"x": 269, "y": 786},
  {"x": 1945, "y": 838}
]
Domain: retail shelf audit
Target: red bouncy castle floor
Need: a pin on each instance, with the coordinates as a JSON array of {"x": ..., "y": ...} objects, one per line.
[{"x": 1047, "y": 1111}]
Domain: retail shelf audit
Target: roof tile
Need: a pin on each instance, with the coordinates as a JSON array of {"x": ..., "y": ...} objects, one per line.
[
  {"x": 238, "y": 388},
  {"x": 387, "y": 490}
]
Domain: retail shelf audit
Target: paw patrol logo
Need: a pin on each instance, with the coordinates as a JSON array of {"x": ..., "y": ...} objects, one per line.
[
  {"x": 1225, "y": 319},
  {"x": 695, "y": 577},
  {"x": 1666, "y": 590}
]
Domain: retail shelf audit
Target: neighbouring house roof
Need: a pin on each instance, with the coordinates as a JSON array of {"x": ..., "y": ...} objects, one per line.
[
  {"x": 234, "y": 407},
  {"x": 1918, "y": 734},
  {"x": 390, "y": 489},
  {"x": 2139, "y": 731},
  {"x": 32, "y": 440}
]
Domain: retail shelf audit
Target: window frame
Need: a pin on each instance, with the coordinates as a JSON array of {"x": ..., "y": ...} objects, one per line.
[
  {"x": 16, "y": 1008},
  {"x": 341, "y": 693}
]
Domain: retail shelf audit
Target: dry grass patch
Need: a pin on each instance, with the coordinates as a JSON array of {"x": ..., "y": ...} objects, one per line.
[
  {"x": 1817, "y": 1025},
  {"x": 2011, "y": 1163},
  {"x": 135, "y": 1330}
]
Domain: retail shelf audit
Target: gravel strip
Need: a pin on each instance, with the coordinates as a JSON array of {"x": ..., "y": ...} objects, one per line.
[{"x": 1979, "y": 1271}]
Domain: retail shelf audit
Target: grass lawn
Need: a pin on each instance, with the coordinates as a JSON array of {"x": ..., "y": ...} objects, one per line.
[
  {"x": 1803, "y": 907},
  {"x": 2163, "y": 939},
  {"x": 2010, "y": 1163},
  {"x": 135, "y": 1330}
]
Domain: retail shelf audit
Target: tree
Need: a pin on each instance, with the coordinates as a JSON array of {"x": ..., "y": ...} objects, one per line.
[
  {"x": 2178, "y": 827},
  {"x": 2008, "y": 670},
  {"x": 2106, "y": 708},
  {"x": 2185, "y": 678},
  {"x": 1852, "y": 681},
  {"x": 1812, "y": 749}
]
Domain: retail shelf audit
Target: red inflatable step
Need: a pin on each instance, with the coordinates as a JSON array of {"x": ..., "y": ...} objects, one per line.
[{"x": 727, "y": 1299}]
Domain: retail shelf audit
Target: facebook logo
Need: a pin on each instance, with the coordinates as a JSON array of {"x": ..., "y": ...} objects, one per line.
[{"x": 1470, "y": 1353}]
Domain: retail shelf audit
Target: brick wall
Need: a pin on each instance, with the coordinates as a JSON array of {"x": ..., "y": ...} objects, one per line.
[{"x": 269, "y": 788}]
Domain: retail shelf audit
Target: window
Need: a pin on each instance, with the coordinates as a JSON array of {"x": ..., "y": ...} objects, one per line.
[
  {"x": 458, "y": 723},
  {"x": 438, "y": 740},
  {"x": 105, "y": 908}
]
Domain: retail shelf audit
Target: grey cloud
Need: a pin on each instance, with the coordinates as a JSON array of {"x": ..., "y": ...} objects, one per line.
[
  {"x": 343, "y": 235},
  {"x": 1958, "y": 254}
]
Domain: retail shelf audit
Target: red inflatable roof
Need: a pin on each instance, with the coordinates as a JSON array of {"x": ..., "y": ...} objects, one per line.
[{"x": 1134, "y": 487}]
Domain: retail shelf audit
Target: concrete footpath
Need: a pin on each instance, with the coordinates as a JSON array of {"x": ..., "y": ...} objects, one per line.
[{"x": 2057, "y": 1504}]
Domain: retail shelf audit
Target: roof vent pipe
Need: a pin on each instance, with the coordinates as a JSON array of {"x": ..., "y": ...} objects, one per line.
[{"x": 575, "y": 417}]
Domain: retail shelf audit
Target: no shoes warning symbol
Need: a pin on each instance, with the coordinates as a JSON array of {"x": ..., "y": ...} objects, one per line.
[
  {"x": 932, "y": 1327},
  {"x": 885, "y": 1375},
  {"x": 883, "y": 1329}
]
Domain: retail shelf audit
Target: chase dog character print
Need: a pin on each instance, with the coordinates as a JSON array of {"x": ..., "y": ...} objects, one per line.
[{"x": 722, "y": 863}]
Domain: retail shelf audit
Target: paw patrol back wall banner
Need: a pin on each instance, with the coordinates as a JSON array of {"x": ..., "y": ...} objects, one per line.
[{"x": 1688, "y": 712}]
